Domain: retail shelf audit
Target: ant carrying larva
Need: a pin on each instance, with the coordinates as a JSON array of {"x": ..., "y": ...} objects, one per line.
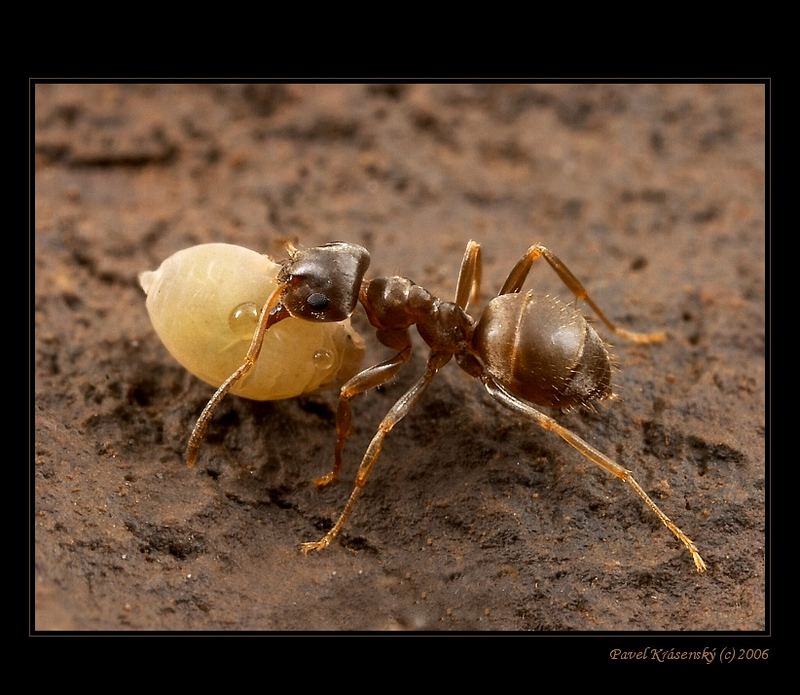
[
  {"x": 526, "y": 349},
  {"x": 204, "y": 303}
]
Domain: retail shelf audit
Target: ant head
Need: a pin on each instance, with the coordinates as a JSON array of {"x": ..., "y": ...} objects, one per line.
[{"x": 322, "y": 283}]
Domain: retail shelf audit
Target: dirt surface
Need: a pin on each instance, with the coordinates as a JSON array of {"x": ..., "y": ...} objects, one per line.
[{"x": 474, "y": 519}]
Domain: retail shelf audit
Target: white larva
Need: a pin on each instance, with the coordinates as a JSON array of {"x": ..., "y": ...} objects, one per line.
[{"x": 203, "y": 303}]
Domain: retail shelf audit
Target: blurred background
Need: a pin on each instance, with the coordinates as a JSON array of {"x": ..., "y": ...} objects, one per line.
[{"x": 653, "y": 195}]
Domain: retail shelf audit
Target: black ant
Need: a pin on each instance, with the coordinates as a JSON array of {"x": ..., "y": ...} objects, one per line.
[{"x": 525, "y": 348}]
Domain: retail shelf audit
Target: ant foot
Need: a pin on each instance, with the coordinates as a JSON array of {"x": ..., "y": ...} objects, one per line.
[
  {"x": 325, "y": 480},
  {"x": 321, "y": 544},
  {"x": 642, "y": 338}
]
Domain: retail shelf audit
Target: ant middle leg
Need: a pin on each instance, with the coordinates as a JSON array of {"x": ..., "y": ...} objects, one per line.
[
  {"x": 469, "y": 277},
  {"x": 368, "y": 379},
  {"x": 516, "y": 278},
  {"x": 518, "y": 405},
  {"x": 398, "y": 412}
]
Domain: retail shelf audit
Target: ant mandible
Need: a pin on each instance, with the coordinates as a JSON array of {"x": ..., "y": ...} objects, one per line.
[{"x": 525, "y": 348}]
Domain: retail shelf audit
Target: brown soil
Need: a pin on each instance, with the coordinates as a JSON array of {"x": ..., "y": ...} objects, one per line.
[{"x": 474, "y": 518}]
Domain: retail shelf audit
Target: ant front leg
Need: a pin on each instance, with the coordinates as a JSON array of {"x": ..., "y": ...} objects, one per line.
[
  {"x": 500, "y": 394},
  {"x": 368, "y": 379},
  {"x": 469, "y": 277},
  {"x": 271, "y": 313},
  {"x": 398, "y": 412},
  {"x": 516, "y": 278}
]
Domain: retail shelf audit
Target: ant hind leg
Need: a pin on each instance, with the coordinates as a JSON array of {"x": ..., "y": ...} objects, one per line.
[
  {"x": 595, "y": 456},
  {"x": 516, "y": 278}
]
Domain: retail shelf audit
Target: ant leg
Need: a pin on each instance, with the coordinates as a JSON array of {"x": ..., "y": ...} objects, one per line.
[
  {"x": 519, "y": 272},
  {"x": 368, "y": 379},
  {"x": 398, "y": 412},
  {"x": 520, "y": 406},
  {"x": 469, "y": 277},
  {"x": 271, "y": 313}
]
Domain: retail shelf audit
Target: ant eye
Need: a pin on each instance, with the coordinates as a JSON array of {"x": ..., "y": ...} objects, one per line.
[{"x": 317, "y": 301}]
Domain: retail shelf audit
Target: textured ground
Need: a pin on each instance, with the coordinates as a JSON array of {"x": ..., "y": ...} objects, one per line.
[{"x": 473, "y": 519}]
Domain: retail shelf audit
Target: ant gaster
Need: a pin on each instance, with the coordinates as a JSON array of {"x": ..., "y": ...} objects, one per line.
[{"x": 525, "y": 348}]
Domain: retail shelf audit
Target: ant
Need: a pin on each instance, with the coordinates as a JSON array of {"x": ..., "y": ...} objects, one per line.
[{"x": 524, "y": 348}]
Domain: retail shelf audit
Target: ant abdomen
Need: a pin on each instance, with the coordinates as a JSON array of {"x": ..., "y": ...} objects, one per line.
[{"x": 543, "y": 350}]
